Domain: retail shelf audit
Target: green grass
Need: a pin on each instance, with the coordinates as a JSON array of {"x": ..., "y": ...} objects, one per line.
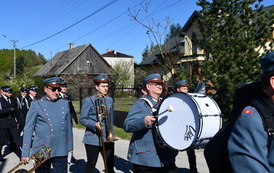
[
  {"x": 124, "y": 104},
  {"x": 120, "y": 104},
  {"x": 29, "y": 71}
]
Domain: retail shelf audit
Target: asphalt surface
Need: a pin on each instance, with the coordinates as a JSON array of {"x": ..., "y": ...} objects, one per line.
[{"x": 121, "y": 163}]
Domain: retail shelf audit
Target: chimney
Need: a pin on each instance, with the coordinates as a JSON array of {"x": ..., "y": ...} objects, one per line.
[
  {"x": 114, "y": 52},
  {"x": 109, "y": 50},
  {"x": 71, "y": 45}
]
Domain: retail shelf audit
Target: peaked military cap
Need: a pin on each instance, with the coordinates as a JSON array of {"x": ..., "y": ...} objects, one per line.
[
  {"x": 64, "y": 84},
  {"x": 155, "y": 77},
  {"x": 102, "y": 78},
  {"x": 53, "y": 82},
  {"x": 7, "y": 89},
  {"x": 181, "y": 83},
  {"x": 24, "y": 89},
  {"x": 267, "y": 62},
  {"x": 33, "y": 88}
]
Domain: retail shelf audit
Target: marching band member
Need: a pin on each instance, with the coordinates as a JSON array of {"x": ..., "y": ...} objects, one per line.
[
  {"x": 23, "y": 107},
  {"x": 8, "y": 122},
  {"x": 144, "y": 152},
  {"x": 32, "y": 93},
  {"x": 49, "y": 118},
  {"x": 89, "y": 118}
]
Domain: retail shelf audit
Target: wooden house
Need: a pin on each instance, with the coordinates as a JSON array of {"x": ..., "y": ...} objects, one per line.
[
  {"x": 82, "y": 60},
  {"x": 77, "y": 66}
]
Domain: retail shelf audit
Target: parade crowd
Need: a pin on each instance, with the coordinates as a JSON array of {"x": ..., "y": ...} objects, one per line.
[{"x": 29, "y": 124}]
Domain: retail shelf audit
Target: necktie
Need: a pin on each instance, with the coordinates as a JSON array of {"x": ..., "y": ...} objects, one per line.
[
  {"x": 8, "y": 99},
  {"x": 23, "y": 101}
]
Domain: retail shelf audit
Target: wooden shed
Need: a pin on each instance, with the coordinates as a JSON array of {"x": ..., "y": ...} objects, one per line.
[
  {"x": 81, "y": 60},
  {"x": 77, "y": 66}
]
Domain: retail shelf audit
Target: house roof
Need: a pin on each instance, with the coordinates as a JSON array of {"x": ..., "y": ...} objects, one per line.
[
  {"x": 62, "y": 60},
  {"x": 114, "y": 53},
  {"x": 170, "y": 46},
  {"x": 189, "y": 22}
]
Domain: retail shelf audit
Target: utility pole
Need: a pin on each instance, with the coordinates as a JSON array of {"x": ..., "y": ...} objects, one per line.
[{"x": 14, "y": 55}]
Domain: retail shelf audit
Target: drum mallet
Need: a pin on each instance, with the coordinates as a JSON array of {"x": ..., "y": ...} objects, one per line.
[{"x": 169, "y": 109}]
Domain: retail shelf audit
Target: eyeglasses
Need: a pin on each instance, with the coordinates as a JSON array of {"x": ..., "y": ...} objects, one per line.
[
  {"x": 54, "y": 89},
  {"x": 156, "y": 84}
]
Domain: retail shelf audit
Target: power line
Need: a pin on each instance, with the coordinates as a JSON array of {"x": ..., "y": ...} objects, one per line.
[
  {"x": 108, "y": 22},
  {"x": 45, "y": 19},
  {"x": 100, "y": 9},
  {"x": 134, "y": 25}
]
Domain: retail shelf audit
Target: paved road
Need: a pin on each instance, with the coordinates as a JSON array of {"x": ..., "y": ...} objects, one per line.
[{"x": 121, "y": 163}]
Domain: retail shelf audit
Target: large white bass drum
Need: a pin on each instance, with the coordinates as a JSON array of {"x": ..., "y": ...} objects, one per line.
[{"x": 194, "y": 120}]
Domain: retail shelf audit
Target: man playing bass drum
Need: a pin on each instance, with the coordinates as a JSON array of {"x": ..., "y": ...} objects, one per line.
[{"x": 146, "y": 155}]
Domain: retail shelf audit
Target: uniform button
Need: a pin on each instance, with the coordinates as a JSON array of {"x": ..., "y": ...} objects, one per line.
[
  {"x": 47, "y": 114},
  {"x": 51, "y": 129},
  {"x": 63, "y": 112},
  {"x": 51, "y": 134},
  {"x": 63, "y": 123},
  {"x": 62, "y": 127},
  {"x": 50, "y": 124},
  {"x": 62, "y": 133},
  {"x": 63, "y": 108},
  {"x": 63, "y": 117},
  {"x": 49, "y": 119},
  {"x": 44, "y": 109}
]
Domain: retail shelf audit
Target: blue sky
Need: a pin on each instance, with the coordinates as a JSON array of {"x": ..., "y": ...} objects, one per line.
[{"x": 48, "y": 26}]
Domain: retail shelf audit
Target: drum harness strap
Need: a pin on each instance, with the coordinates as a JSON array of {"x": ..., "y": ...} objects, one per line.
[
  {"x": 265, "y": 108},
  {"x": 150, "y": 104},
  {"x": 160, "y": 142}
]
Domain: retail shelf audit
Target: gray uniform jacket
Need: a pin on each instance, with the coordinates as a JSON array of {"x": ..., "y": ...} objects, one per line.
[
  {"x": 48, "y": 124},
  {"x": 247, "y": 144},
  {"x": 143, "y": 148},
  {"x": 88, "y": 118}
]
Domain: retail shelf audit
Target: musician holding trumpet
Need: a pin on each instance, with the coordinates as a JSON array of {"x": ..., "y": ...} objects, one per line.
[
  {"x": 97, "y": 116},
  {"x": 145, "y": 153}
]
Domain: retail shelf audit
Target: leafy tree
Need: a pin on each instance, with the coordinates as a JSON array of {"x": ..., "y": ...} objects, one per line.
[
  {"x": 233, "y": 34},
  {"x": 174, "y": 30},
  {"x": 20, "y": 65},
  {"x": 24, "y": 58},
  {"x": 148, "y": 50},
  {"x": 122, "y": 74}
]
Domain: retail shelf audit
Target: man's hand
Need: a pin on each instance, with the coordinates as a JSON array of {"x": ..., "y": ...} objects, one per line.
[
  {"x": 149, "y": 120},
  {"x": 98, "y": 126},
  {"x": 25, "y": 160}
]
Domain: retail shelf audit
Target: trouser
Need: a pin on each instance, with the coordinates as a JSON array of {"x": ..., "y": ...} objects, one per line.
[
  {"x": 146, "y": 169},
  {"x": 59, "y": 164},
  {"x": 192, "y": 160},
  {"x": 15, "y": 136},
  {"x": 93, "y": 153}
]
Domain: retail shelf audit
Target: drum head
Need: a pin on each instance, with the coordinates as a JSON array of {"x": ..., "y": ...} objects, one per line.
[{"x": 178, "y": 128}]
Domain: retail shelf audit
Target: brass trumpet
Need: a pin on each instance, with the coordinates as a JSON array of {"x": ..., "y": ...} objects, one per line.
[
  {"x": 38, "y": 158},
  {"x": 102, "y": 113}
]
